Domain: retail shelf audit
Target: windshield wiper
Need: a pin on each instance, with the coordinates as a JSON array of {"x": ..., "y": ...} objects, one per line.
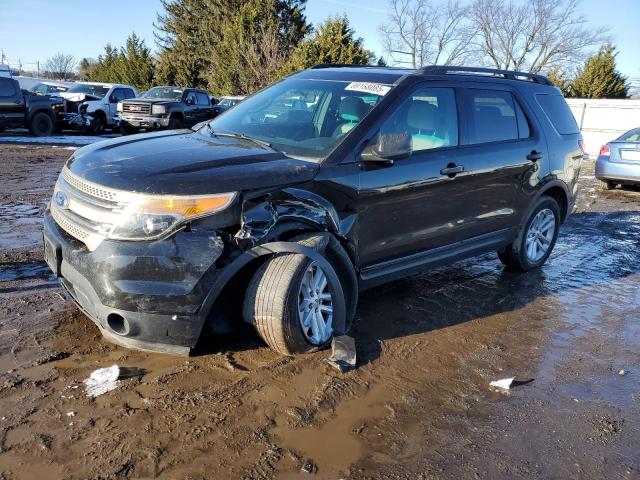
[{"x": 257, "y": 141}]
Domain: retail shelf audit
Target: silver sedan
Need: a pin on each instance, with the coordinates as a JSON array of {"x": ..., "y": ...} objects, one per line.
[{"x": 619, "y": 161}]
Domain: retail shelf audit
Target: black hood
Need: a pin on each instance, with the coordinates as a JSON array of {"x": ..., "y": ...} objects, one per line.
[{"x": 182, "y": 163}]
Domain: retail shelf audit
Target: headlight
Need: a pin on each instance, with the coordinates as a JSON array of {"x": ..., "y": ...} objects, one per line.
[
  {"x": 158, "y": 109},
  {"x": 146, "y": 217},
  {"x": 119, "y": 106}
]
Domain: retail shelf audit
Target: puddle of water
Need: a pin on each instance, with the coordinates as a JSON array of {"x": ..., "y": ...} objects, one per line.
[
  {"x": 21, "y": 225},
  {"x": 334, "y": 447},
  {"x": 23, "y": 271}
]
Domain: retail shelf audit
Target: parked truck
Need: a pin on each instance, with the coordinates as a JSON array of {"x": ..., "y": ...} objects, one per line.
[
  {"x": 165, "y": 108},
  {"x": 20, "y": 108}
]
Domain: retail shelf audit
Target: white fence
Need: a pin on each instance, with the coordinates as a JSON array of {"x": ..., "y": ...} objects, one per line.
[{"x": 604, "y": 120}]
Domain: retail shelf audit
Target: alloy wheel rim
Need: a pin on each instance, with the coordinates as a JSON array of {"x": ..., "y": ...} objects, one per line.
[
  {"x": 540, "y": 235},
  {"x": 315, "y": 306}
]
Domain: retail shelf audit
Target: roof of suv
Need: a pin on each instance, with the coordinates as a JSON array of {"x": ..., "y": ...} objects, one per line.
[{"x": 393, "y": 74}]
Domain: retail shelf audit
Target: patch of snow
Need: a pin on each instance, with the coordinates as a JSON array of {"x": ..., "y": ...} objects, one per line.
[{"x": 77, "y": 140}]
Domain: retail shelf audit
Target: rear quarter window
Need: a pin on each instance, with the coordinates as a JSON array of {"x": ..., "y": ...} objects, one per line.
[{"x": 556, "y": 109}]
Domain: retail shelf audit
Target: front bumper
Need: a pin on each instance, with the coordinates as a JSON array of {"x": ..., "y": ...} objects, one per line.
[
  {"x": 148, "y": 122},
  {"x": 622, "y": 171},
  {"x": 145, "y": 295}
]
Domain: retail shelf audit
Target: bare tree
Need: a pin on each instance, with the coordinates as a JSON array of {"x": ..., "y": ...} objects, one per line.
[
  {"x": 60, "y": 66},
  {"x": 421, "y": 32},
  {"x": 534, "y": 35}
]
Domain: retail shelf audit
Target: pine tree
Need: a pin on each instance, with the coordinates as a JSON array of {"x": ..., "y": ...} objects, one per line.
[
  {"x": 559, "y": 79},
  {"x": 333, "y": 42},
  {"x": 131, "y": 64},
  {"x": 599, "y": 77},
  {"x": 227, "y": 46}
]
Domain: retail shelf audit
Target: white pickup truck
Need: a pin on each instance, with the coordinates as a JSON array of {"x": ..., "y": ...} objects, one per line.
[{"x": 92, "y": 106}]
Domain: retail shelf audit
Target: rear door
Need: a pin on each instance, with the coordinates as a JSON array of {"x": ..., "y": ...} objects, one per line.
[
  {"x": 505, "y": 148},
  {"x": 191, "y": 110},
  {"x": 204, "y": 106}
]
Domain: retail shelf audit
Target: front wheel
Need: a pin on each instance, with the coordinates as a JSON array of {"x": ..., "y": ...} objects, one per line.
[
  {"x": 174, "y": 124},
  {"x": 290, "y": 302},
  {"x": 97, "y": 125},
  {"x": 532, "y": 248}
]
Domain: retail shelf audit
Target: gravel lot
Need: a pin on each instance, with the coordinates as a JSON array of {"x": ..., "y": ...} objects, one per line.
[{"x": 418, "y": 406}]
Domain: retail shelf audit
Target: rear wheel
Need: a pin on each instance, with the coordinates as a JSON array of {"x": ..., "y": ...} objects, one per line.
[
  {"x": 41, "y": 125},
  {"x": 290, "y": 302},
  {"x": 532, "y": 248}
]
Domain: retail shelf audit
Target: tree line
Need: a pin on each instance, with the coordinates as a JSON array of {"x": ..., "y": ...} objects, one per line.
[{"x": 241, "y": 46}]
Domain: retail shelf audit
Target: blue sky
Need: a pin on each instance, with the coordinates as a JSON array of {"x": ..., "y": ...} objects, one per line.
[{"x": 32, "y": 30}]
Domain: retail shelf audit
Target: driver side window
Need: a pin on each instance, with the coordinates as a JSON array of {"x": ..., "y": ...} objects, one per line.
[{"x": 429, "y": 116}]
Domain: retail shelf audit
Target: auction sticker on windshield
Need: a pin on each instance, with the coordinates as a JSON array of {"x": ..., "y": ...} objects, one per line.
[{"x": 374, "y": 88}]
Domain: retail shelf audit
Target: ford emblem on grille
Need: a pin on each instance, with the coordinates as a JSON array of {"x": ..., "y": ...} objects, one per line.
[{"x": 61, "y": 199}]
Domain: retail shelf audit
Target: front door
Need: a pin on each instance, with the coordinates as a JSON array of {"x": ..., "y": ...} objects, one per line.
[{"x": 420, "y": 202}]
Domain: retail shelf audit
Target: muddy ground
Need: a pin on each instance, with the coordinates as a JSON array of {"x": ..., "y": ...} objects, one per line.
[{"x": 418, "y": 406}]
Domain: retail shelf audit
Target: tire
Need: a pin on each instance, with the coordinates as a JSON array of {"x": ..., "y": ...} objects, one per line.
[
  {"x": 98, "y": 125},
  {"x": 272, "y": 304},
  {"x": 174, "y": 124},
  {"x": 516, "y": 256},
  {"x": 41, "y": 125},
  {"x": 127, "y": 131}
]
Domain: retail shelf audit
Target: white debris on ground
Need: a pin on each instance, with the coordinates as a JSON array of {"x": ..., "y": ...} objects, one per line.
[
  {"x": 504, "y": 383},
  {"x": 102, "y": 381}
]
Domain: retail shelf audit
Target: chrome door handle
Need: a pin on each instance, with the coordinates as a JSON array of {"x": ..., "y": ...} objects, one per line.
[{"x": 452, "y": 170}]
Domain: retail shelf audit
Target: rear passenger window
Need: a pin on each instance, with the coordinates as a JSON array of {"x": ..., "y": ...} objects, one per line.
[
  {"x": 203, "y": 99},
  {"x": 559, "y": 113},
  {"x": 495, "y": 117},
  {"x": 430, "y": 116}
]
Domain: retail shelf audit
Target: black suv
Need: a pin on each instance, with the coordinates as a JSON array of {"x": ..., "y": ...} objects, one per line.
[
  {"x": 165, "y": 108},
  {"x": 20, "y": 108},
  {"x": 332, "y": 180}
]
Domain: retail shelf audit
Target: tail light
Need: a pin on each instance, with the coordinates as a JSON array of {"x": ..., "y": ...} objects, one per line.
[{"x": 604, "y": 150}]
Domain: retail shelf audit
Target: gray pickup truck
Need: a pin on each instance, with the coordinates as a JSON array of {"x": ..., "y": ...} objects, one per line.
[{"x": 165, "y": 108}]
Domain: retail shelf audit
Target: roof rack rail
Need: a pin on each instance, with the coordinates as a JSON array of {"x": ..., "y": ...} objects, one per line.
[
  {"x": 335, "y": 65},
  {"x": 509, "y": 74}
]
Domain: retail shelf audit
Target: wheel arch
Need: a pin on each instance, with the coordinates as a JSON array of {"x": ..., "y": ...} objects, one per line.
[{"x": 223, "y": 302}]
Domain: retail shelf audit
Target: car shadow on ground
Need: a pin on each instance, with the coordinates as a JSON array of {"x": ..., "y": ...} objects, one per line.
[{"x": 593, "y": 249}]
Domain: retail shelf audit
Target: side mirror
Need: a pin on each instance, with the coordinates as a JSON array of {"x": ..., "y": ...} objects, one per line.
[
  {"x": 189, "y": 101},
  {"x": 113, "y": 99},
  {"x": 387, "y": 147}
]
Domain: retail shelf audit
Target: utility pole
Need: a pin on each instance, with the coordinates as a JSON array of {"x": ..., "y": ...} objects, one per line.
[
  {"x": 1, "y": 55},
  {"x": 38, "y": 63}
]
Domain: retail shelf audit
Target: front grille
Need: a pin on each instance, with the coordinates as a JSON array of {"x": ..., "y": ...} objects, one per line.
[
  {"x": 91, "y": 210},
  {"x": 137, "y": 108}
]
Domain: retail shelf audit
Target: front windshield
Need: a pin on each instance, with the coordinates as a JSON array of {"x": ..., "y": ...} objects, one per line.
[
  {"x": 95, "y": 90},
  {"x": 302, "y": 118},
  {"x": 170, "y": 93}
]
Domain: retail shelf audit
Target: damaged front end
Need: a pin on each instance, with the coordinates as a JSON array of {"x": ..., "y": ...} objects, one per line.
[{"x": 75, "y": 115}]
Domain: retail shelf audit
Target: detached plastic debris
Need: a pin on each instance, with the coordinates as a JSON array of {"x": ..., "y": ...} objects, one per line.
[
  {"x": 343, "y": 353},
  {"x": 102, "y": 381},
  {"x": 504, "y": 383}
]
